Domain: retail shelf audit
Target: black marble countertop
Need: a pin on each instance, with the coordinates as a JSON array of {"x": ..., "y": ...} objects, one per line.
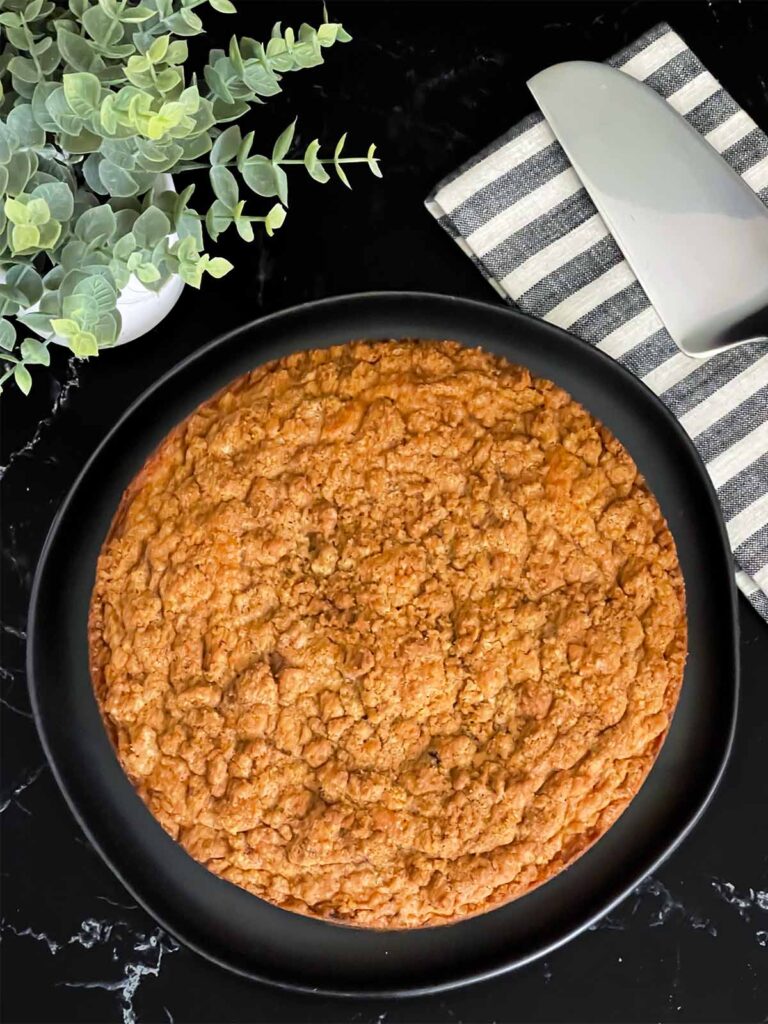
[{"x": 430, "y": 83}]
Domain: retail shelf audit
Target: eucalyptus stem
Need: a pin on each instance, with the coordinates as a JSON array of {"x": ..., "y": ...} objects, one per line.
[
  {"x": 329, "y": 160},
  {"x": 31, "y": 40},
  {"x": 199, "y": 165}
]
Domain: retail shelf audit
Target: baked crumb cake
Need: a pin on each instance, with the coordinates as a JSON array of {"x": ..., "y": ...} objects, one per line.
[{"x": 388, "y": 633}]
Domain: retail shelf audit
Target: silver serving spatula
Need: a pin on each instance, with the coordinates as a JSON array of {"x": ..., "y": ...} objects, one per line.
[{"x": 695, "y": 235}]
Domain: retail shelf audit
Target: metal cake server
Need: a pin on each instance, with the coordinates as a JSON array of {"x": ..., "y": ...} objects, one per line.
[{"x": 695, "y": 235}]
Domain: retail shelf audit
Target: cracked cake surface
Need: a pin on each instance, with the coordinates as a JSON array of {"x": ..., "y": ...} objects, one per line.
[{"x": 388, "y": 633}]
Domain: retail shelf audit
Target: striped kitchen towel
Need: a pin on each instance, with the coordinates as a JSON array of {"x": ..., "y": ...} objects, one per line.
[{"x": 518, "y": 209}]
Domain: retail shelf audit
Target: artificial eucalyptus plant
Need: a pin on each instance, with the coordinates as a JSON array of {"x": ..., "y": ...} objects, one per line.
[{"x": 97, "y": 103}]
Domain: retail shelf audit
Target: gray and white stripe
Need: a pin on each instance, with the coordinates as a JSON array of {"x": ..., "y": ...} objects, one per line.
[{"x": 518, "y": 209}]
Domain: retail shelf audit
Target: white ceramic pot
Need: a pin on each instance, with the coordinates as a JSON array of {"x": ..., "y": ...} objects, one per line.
[{"x": 141, "y": 309}]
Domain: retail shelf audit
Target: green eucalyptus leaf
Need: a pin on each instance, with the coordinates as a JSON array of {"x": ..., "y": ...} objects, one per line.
[
  {"x": 21, "y": 167},
  {"x": 373, "y": 161},
  {"x": 260, "y": 78},
  {"x": 124, "y": 246},
  {"x": 34, "y": 351},
  {"x": 42, "y": 46},
  {"x": 59, "y": 198},
  {"x": 84, "y": 142},
  {"x": 23, "y": 378},
  {"x": 52, "y": 280},
  {"x": 16, "y": 211},
  {"x": 21, "y": 121},
  {"x": 244, "y": 228},
  {"x": 226, "y": 145},
  {"x": 104, "y": 31},
  {"x": 194, "y": 148},
  {"x": 17, "y": 37},
  {"x": 327, "y": 34},
  {"x": 190, "y": 101},
  {"x": 312, "y": 163},
  {"x": 96, "y": 226},
  {"x": 283, "y": 143},
  {"x": 64, "y": 327},
  {"x": 147, "y": 273},
  {"x": 49, "y": 234},
  {"x": 32, "y": 10},
  {"x": 38, "y": 322},
  {"x": 8, "y": 143},
  {"x": 178, "y": 51},
  {"x": 91, "y": 174},
  {"x": 61, "y": 113},
  {"x": 55, "y": 170},
  {"x": 83, "y": 93},
  {"x": 37, "y": 212},
  {"x": 157, "y": 156},
  {"x": 120, "y": 151},
  {"x": 151, "y": 227},
  {"x": 49, "y": 304},
  {"x": 168, "y": 79},
  {"x": 99, "y": 292},
  {"x": 26, "y": 281},
  {"x": 223, "y": 6},
  {"x": 3, "y": 183},
  {"x": 224, "y": 186},
  {"x": 260, "y": 175},
  {"x": 236, "y": 57},
  {"x": 337, "y": 166},
  {"x": 188, "y": 225},
  {"x": 117, "y": 181},
  {"x": 217, "y": 84},
  {"x": 39, "y": 110},
  {"x": 218, "y": 266},
  {"x": 224, "y": 111},
  {"x": 203, "y": 117},
  {"x": 192, "y": 273},
  {"x": 217, "y": 219},
  {"x": 84, "y": 344},
  {"x": 49, "y": 60},
  {"x": 24, "y": 238},
  {"x": 244, "y": 150},
  {"x": 73, "y": 254},
  {"x": 81, "y": 309},
  {"x": 184, "y": 23},
  {"x": 136, "y": 15},
  {"x": 186, "y": 249},
  {"x": 107, "y": 328},
  {"x": 120, "y": 273},
  {"x": 7, "y": 335},
  {"x": 108, "y": 115},
  {"x": 71, "y": 280},
  {"x": 281, "y": 180},
  {"x": 78, "y": 52},
  {"x": 158, "y": 49},
  {"x": 9, "y": 306},
  {"x": 23, "y": 69},
  {"x": 274, "y": 219},
  {"x": 125, "y": 217}
]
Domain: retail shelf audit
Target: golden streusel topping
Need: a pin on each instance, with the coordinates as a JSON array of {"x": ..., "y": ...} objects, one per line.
[{"x": 388, "y": 633}]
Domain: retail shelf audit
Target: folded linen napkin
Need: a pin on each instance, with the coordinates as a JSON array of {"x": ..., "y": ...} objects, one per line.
[{"x": 519, "y": 210}]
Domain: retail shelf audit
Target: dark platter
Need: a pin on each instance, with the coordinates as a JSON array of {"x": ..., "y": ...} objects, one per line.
[{"x": 235, "y": 928}]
